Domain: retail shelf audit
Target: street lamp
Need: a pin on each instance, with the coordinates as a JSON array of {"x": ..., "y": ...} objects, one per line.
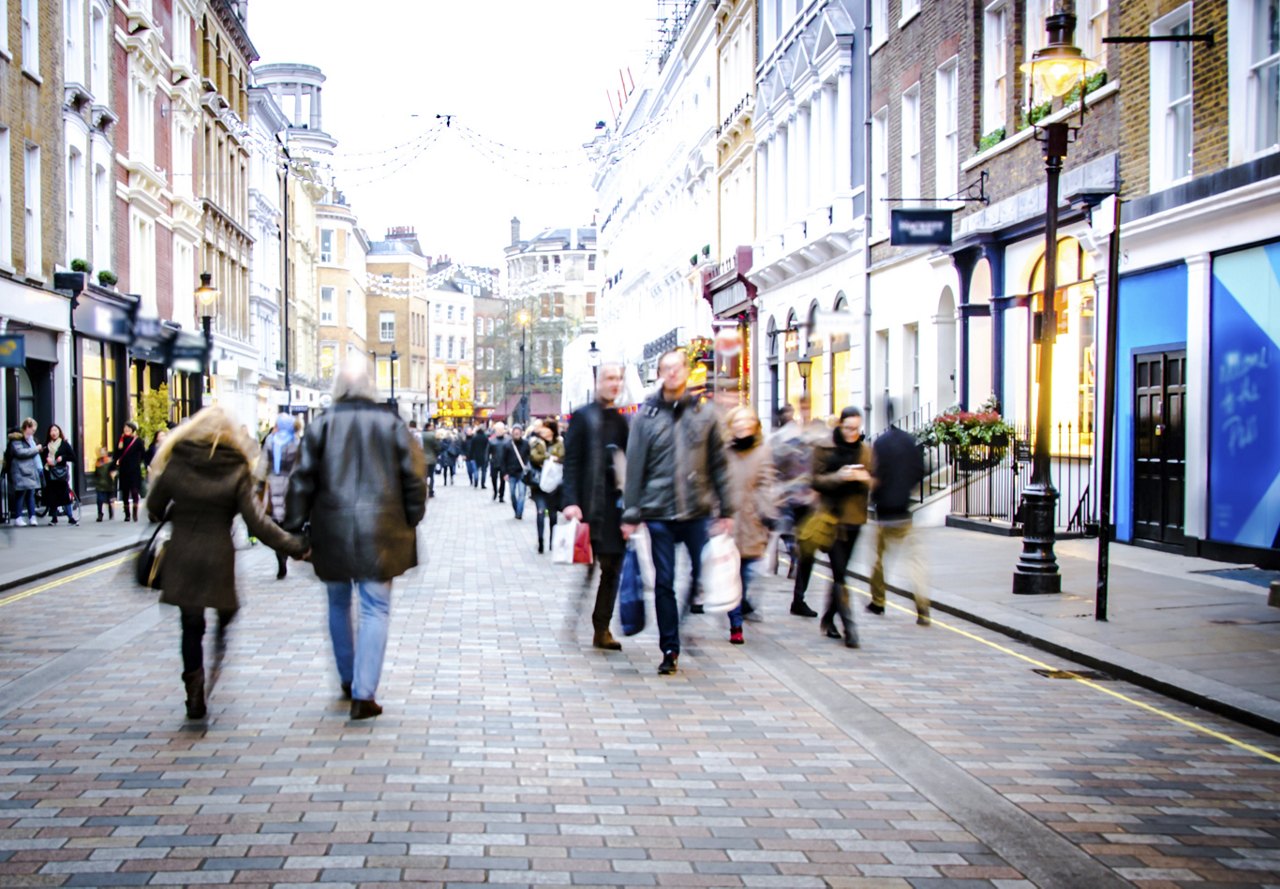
[
  {"x": 395, "y": 356},
  {"x": 1055, "y": 70},
  {"x": 206, "y": 296},
  {"x": 804, "y": 366},
  {"x": 593, "y": 358},
  {"x": 523, "y": 318}
]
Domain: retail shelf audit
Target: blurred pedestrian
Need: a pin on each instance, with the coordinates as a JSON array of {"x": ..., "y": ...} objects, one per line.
[
  {"x": 899, "y": 468},
  {"x": 276, "y": 461},
  {"x": 202, "y": 478},
  {"x": 595, "y": 446},
  {"x": 448, "y": 456},
  {"x": 431, "y": 454},
  {"x": 677, "y": 480},
  {"x": 752, "y": 476},
  {"x": 793, "y": 446},
  {"x": 842, "y": 476},
  {"x": 497, "y": 479},
  {"x": 128, "y": 462},
  {"x": 478, "y": 457},
  {"x": 59, "y": 463},
  {"x": 104, "y": 484},
  {"x": 25, "y": 475},
  {"x": 515, "y": 466},
  {"x": 545, "y": 446},
  {"x": 156, "y": 441},
  {"x": 359, "y": 483}
]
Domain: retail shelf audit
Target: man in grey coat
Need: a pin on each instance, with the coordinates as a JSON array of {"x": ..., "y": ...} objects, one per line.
[
  {"x": 677, "y": 480},
  {"x": 359, "y": 483}
]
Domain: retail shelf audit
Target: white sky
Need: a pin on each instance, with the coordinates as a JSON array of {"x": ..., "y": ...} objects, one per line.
[{"x": 528, "y": 75}]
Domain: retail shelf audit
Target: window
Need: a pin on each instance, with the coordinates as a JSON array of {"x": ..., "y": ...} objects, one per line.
[
  {"x": 4, "y": 32},
  {"x": 31, "y": 36},
  {"x": 181, "y": 36},
  {"x": 1171, "y": 112},
  {"x": 462, "y": 348},
  {"x": 75, "y": 205},
  {"x": 995, "y": 74},
  {"x": 142, "y": 261},
  {"x": 591, "y": 263},
  {"x": 880, "y": 170},
  {"x": 451, "y": 345},
  {"x": 462, "y": 314},
  {"x": 327, "y": 305},
  {"x": 328, "y": 360},
  {"x": 589, "y": 306},
  {"x": 1264, "y": 76},
  {"x": 479, "y": 326},
  {"x": 436, "y": 351},
  {"x": 1094, "y": 15},
  {"x": 555, "y": 261},
  {"x": 913, "y": 368},
  {"x": 545, "y": 307},
  {"x": 911, "y": 142},
  {"x": 386, "y": 327},
  {"x": 1034, "y": 38},
  {"x": 946, "y": 131},
  {"x": 183, "y": 158},
  {"x": 559, "y": 305},
  {"x": 438, "y": 311},
  {"x": 31, "y": 210},
  {"x": 101, "y": 218},
  {"x": 879, "y": 22},
  {"x": 326, "y": 245},
  {"x": 546, "y": 264},
  {"x": 490, "y": 326},
  {"x": 910, "y": 9},
  {"x": 98, "y": 59},
  {"x": 6, "y": 204},
  {"x": 73, "y": 29},
  {"x": 142, "y": 128}
]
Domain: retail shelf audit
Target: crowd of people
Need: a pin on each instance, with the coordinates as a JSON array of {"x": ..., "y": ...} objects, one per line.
[{"x": 347, "y": 493}]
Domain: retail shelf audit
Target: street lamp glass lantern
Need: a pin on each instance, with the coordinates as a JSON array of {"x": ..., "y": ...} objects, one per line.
[
  {"x": 804, "y": 366},
  {"x": 206, "y": 295},
  {"x": 1060, "y": 66},
  {"x": 593, "y": 355}
]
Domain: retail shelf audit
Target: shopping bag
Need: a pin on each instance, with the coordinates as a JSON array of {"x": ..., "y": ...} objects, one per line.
[
  {"x": 552, "y": 475},
  {"x": 644, "y": 556},
  {"x": 631, "y": 593},
  {"x": 721, "y": 578},
  {"x": 817, "y": 531},
  {"x": 582, "y": 553},
  {"x": 562, "y": 536}
]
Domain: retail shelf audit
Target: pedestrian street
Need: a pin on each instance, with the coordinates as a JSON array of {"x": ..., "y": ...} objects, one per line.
[{"x": 511, "y": 752}]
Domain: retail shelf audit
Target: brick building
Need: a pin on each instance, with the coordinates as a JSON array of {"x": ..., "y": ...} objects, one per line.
[{"x": 398, "y": 307}]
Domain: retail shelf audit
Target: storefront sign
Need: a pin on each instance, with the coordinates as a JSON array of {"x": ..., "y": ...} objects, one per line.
[
  {"x": 13, "y": 350},
  {"x": 917, "y": 227},
  {"x": 731, "y": 300}
]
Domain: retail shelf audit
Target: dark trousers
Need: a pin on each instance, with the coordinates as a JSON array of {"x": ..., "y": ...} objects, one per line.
[
  {"x": 447, "y": 470},
  {"x": 838, "y": 597},
  {"x": 431, "y": 479},
  {"x": 544, "y": 503},
  {"x": 499, "y": 482},
  {"x": 607, "y": 591},
  {"x": 803, "y": 563},
  {"x": 663, "y": 537},
  {"x": 193, "y": 626}
]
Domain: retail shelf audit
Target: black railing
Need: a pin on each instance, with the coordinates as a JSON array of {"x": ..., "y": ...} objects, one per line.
[
  {"x": 989, "y": 480},
  {"x": 937, "y": 467}
]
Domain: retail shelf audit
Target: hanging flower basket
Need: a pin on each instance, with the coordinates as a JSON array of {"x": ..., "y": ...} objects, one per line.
[{"x": 974, "y": 439}]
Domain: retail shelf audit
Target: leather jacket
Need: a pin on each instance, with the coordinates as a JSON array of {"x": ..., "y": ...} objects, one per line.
[{"x": 676, "y": 465}]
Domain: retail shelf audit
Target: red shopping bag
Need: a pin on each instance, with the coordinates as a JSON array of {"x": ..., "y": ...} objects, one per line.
[{"x": 582, "y": 554}]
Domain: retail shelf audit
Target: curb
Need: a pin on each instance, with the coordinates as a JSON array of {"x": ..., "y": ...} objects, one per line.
[
  {"x": 8, "y": 582},
  {"x": 1245, "y": 707}
]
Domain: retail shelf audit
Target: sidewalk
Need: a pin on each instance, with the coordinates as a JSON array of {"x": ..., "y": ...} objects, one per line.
[{"x": 1202, "y": 639}]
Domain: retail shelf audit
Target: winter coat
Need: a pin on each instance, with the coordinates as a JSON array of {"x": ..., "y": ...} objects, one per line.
[
  {"x": 511, "y": 464},
  {"x": 478, "y": 448},
  {"x": 361, "y": 483},
  {"x": 430, "y": 448},
  {"x": 792, "y": 447},
  {"x": 128, "y": 461},
  {"x": 846, "y": 500},
  {"x": 102, "y": 480},
  {"x": 277, "y": 485},
  {"x": 207, "y": 490},
  {"x": 753, "y": 479},
  {"x": 57, "y": 491},
  {"x": 595, "y": 434},
  {"x": 25, "y": 473},
  {"x": 676, "y": 467},
  {"x": 899, "y": 468}
]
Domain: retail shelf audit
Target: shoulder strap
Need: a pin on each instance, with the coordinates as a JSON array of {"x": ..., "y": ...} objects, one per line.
[{"x": 515, "y": 446}]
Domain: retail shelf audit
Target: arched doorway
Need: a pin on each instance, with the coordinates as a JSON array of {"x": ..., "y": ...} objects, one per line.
[
  {"x": 1074, "y": 368},
  {"x": 982, "y": 382},
  {"x": 841, "y": 369},
  {"x": 944, "y": 327}
]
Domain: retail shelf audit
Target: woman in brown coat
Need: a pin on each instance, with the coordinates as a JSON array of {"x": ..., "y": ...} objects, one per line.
[
  {"x": 752, "y": 476},
  {"x": 202, "y": 478},
  {"x": 842, "y": 471}
]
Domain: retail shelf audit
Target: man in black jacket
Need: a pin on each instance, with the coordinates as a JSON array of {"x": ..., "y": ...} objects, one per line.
[
  {"x": 514, "y": 458},
  {"x": 478, "y": 456},
  {"x": 594, "y": 447},
  {"x": 899, "y": 467},
  {"x": 497, "y": 443},
  {"x": 677, "y": 481}
]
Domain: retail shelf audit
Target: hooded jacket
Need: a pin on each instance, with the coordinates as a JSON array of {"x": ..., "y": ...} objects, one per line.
[
  {"x": 360, "y": 481},
  {"x": 676, "y": 467},
  {"x": 24, "y": 464}
]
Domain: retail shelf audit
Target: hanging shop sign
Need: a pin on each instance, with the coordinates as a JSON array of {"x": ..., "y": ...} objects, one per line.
[
  {"x": 919, "y": 227},
  {"x": 13, "y": 350}
]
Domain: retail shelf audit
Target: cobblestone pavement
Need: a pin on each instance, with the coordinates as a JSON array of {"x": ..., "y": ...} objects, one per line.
[{"x": 512, "y": 753}]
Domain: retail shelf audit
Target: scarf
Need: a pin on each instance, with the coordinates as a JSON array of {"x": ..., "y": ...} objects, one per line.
[{"x": 284, "y": 436}]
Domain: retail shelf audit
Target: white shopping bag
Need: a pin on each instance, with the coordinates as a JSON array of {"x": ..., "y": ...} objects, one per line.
[
  {"x": 552, "y": 475},
  {"x": 644, "y": 555},
  {"x": 562, "y": 536},
  {"x": 721, "y": 578}
]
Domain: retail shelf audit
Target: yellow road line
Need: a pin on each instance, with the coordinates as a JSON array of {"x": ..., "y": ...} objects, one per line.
[
  {"x": 44, "y": 587},
  {"x": 1187, "y": 723}
]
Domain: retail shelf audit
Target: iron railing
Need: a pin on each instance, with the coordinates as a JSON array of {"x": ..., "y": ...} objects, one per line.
[
  {"x": 938, "y": 473},
  {"x": 989, "y": 480}
]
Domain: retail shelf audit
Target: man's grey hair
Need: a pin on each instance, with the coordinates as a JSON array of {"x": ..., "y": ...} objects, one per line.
[{"x": 352, "y": 382}]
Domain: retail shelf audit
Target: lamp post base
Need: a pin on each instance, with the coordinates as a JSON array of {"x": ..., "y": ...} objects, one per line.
[{"x": 1037, "y": 570}]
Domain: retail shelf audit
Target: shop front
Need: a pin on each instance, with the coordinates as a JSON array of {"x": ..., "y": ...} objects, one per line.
[
  {"x": 102, "y": 328},
  {"x": 732, "y": 379}
]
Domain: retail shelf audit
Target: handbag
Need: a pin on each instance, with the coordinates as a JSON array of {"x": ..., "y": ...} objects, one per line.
[
  {"x": 817, "y": 531},
  {"x": 631, "y": 593},
  {"x": 552, "y": 475},
  {"x": 146, "y": 570},
  {"x": 58, "y": 472},
  {"x": 721, "y": 578},
  {"x": 582, "y": 552}
]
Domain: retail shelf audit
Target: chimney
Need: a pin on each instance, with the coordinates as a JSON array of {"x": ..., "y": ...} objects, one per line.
[{"x": 515, "y": 230}]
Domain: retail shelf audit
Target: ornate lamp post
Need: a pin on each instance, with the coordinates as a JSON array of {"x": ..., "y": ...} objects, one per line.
[
  {"x": 207, "y": 296},
  {"x": 593, "y": 358},
  {"x": 1055, "y": 71},
  {"x": 523, "y": 318},
  {"x": 395, "y": 356}
]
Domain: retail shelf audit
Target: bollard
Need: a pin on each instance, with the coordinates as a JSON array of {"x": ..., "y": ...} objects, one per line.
[{"x": 1274, "y": 599}]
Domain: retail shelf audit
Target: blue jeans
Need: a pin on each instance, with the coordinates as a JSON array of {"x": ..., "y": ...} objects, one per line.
[
  {"x": 29, "y": 499},
  {"x": 735, "y": 616},
  {"x": 663, "y": 536},
  {"x": 359, "y": 655},
  {"x": 471, "y": 472},
  {"x": 518, "y": 491}
]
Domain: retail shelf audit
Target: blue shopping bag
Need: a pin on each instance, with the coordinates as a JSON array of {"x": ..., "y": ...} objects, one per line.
[{"x": 631, "y": 594}]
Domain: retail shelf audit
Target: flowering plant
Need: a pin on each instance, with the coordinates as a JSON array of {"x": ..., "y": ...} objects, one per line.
[{"x": 962, "y": 430}]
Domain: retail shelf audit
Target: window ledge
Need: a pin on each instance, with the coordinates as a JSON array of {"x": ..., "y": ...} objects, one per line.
[
  {"x": 1107, "y": 89},
  {"x": 7, "y": 269},
  {"x": 902, "y": 22},
  {"x": 879, "y": 42},
  {"x": 5, "y": 54},
  {"x": 32, "y": 76}
]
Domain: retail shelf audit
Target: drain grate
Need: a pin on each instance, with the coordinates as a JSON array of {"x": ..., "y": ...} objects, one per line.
[{"x": 1074, "y": 674}]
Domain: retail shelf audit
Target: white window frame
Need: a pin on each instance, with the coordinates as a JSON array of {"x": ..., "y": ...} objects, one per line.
[
  {"x": 1168, "y": 112},
  {"x": 910, "y": 9},
  {"x": 450, "y": 342},
  {"x": 76, "y": 221},
  {"x": 142, "y": 260},
  {"x": 946, "y": 129},
  {"x": 328, "y": 295},
  {"x": 101, "y": 217},
  {"x": 32, "y": 212},
  {"x": 1246, "y": 64},
  {"x": 438, "y": 342},
  {"x": 6, "y": 204},
  {"x": 73, "y": 31},
  {"x": 326, "y": 245},
  {"x": 4, "y": 32},
  {"x": 182, "y": 25},
  {"x": 1033, "y": 38},
  {"x": 910, "y": 161},
  {"x": 386, "y": 327},
  {"x": 99, "y": 57},
  {"x": 30, "y": 29},
  {"x": 1095, "y": 15},
  {"x": 880, "y": 171},
  {"x": 995, "y": 67},
  {"x": 879, "y": 23}
]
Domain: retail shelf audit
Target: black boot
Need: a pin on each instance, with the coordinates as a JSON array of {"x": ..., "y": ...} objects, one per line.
[
  {"x": 282, "y": 566},
  {"x": 194, "y": 682}
]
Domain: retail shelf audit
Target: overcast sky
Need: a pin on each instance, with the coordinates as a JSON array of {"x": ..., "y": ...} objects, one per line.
[{"x": 525, "y": 76}]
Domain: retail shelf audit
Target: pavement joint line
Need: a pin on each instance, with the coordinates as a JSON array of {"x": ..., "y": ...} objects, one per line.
[
  {"x": 79, "y": 575},
  {"x": 1172, "y": 717},
  {"x": 1045, "y": 856}
]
